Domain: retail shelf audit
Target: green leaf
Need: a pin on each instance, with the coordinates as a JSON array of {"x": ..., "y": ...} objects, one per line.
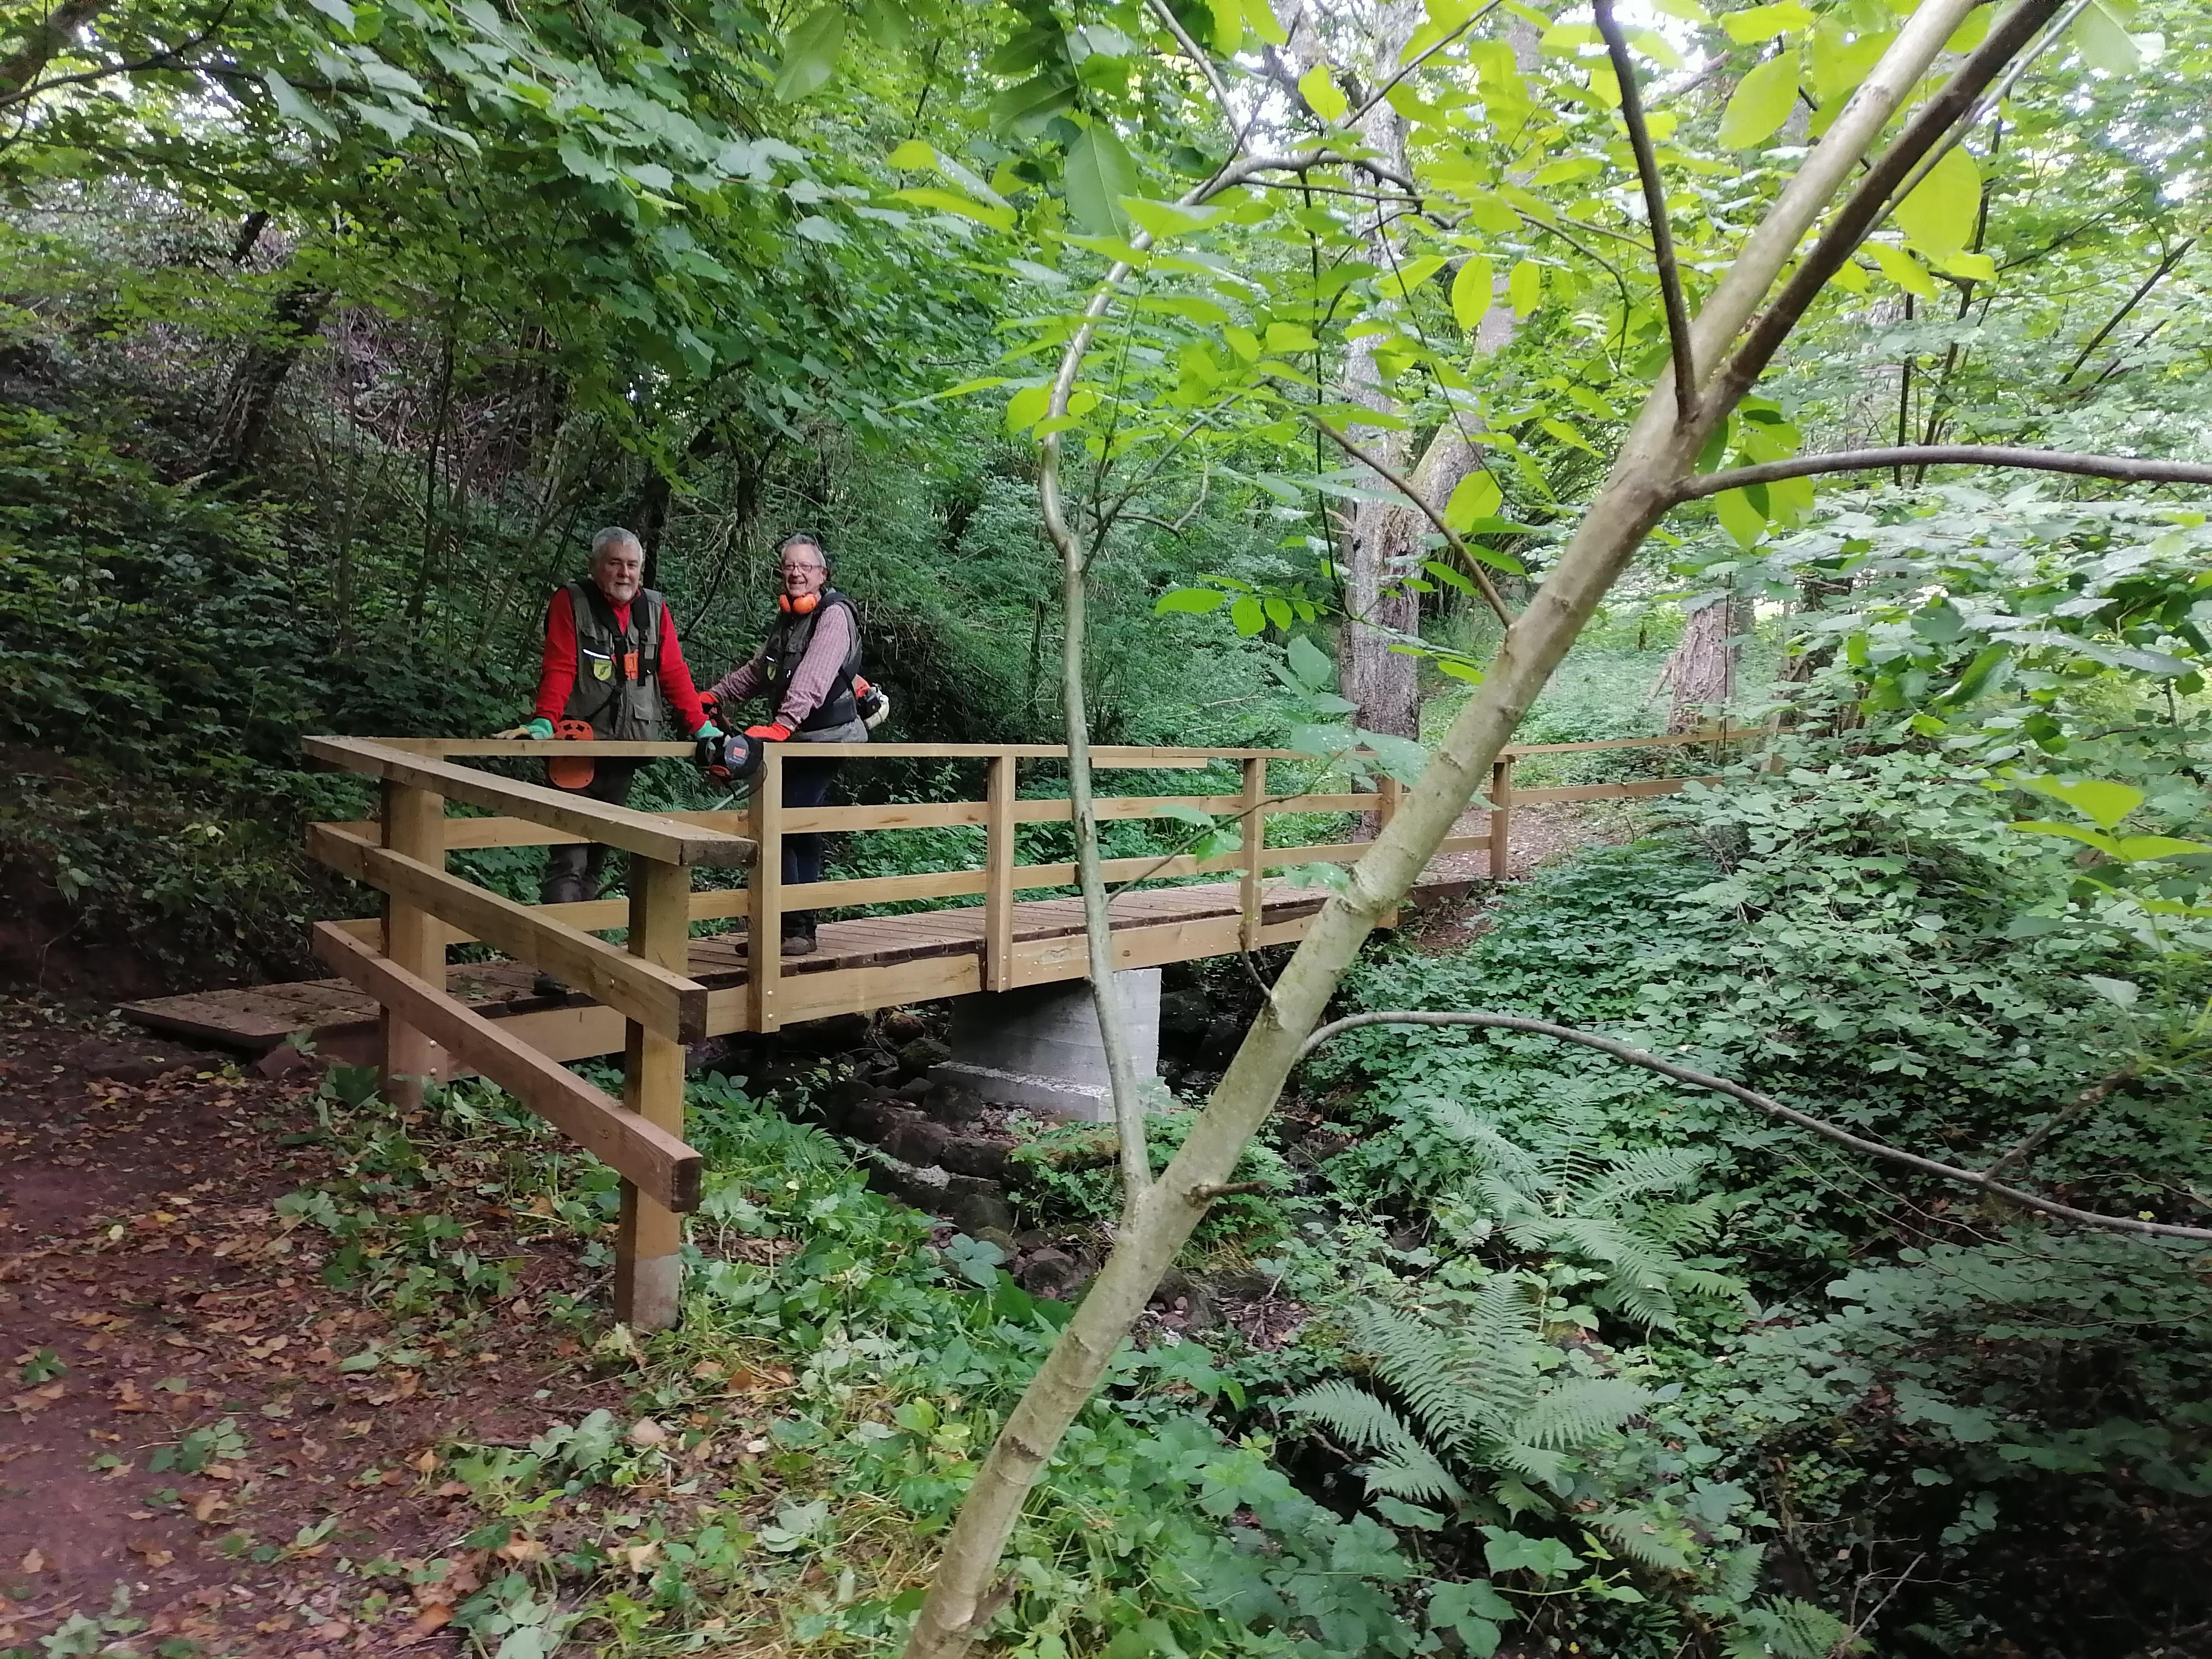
[
  {"x": 1901, "y": 267},
  {"x": 810, "y": 54},
  {"x": 1166, "y": 219},
  {"x": 338, "y": 11},
  {"x": 2104, "y": 42},
  {"x": 2070, "y": 832},
  {"x": 294, "y": 108},
  {"x": 999, "y": 218},
  {"x": 1247, "y": 615},
  {"x": 1025, "y": 110},
  {"x": 1310, "y": 664},
  {"x": 1757, "y": 23},
  {"x": 2142, "y": 850},
  {"x": 1401, "y": 758},
  {"x": 1476, "y": 496},
  {"x": 2102, "y": 803},
  {"x": 1939, "y": 216},
  {"x": 1099, "y": 173},
  {"x": 1525, "y": 288},
  {"x": 1472, "y": 290},
  {"x": 1260, "y": 17},
  {"x": 1762, "y": 102},
  {"x": 1228, "y": 26},
  {"x": 2120, "y": 993},
  {"x": 1322, "y": 96},
  {"x": 1027, "y": 407},
  {"x": 1410, "y": 276},
  {"x": 911, "y": 154},
  {"x": 1190, "y": 601},
  {"x": 1744, "y": 522}
]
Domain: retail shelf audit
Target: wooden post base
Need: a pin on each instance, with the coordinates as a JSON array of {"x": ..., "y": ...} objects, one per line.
[{"x": 648, "y": 1288}]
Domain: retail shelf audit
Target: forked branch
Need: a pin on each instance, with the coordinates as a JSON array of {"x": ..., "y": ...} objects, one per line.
[
  {"x": 1773, "y": 1108},
  {"x": 1654, "y": 208}
]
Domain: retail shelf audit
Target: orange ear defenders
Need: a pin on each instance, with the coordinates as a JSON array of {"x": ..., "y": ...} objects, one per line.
[
  {"x": 803, "y": 606},
  {"x": 570, "y": 773}
]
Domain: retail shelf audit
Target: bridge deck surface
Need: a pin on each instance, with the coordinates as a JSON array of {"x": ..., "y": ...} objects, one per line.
[{"x": 344, "y": 1020}]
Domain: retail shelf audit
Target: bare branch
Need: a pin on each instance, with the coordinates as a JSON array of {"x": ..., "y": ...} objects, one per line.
[
  {"x": 2089, "y": 1100},
  {"x": 2165, "y": 269},
  {"x": 1197, "y": 55},
  {"x": 1766, "y": 1104},
  {"x": 1654, "y": 208},
  {"x": 1404, "y": 486},
  {"x": 1390, "y": 85},
  {"x": 2127, "y": 469}
]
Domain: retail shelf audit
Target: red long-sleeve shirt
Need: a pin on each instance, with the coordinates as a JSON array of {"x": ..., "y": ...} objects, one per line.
[{"x": 556, "y": 670}]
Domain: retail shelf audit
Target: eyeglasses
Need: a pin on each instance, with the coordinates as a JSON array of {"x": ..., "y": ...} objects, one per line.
[{"x": 799, "y": 570}]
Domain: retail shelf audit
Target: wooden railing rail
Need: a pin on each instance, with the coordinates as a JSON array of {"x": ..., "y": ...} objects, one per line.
[
  {"x": 400, "y": 957},
  {"x": 427, "y": 907}
]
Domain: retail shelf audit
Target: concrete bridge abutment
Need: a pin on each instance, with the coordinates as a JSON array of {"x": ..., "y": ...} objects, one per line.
[{"x": 1039, "y": 1047}]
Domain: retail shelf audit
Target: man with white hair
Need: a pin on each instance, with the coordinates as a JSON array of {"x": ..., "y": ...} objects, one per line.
[{"x": 612, "y": 659}]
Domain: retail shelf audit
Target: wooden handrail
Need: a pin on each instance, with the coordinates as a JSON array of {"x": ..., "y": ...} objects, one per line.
[
  {"x": 646, "y": 833},
  {"x": 668, "y": 1003}
]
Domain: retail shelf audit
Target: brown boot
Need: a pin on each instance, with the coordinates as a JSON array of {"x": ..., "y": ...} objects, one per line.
[{"x": 798, "y": 945}]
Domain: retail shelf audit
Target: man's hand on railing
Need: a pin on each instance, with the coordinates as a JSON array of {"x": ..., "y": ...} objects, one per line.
[
  {"x": 537, "y": 730},
  {"x": 776, "y": 733}
]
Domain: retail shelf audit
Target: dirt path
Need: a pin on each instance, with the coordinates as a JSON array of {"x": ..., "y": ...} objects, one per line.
[{"x": 206, "y": 1447}]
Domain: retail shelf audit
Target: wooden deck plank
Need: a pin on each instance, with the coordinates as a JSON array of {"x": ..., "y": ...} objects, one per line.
[{"x": 867, "y": 963}]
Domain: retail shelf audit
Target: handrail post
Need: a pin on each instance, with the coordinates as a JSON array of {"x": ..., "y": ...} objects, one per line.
[
  {"x": 998, "y": 878},
  {"x": 764, "y": 953},
  {"x": 415, "y": 825},
  {"x": 1252, "y": 820},
  {"x": 1501, "y": 817},
  {"x": 649, "y": 1238}
]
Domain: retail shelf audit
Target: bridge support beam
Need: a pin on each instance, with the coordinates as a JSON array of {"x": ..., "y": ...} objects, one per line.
[{"x": 1038, "y": 1046}]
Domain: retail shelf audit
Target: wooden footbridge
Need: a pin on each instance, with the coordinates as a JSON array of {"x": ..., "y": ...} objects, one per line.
[{"x": 663, "y": 988}]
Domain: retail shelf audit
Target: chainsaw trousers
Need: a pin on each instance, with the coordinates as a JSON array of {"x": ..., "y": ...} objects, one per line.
[
  {"x": 572, "y": 872},
  {"x": 806, "y": 783}
]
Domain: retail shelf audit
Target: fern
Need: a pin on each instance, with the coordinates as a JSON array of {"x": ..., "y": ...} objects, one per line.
[
  {"x": 1581, "y": 1413},
  {"x": 1406, "y": 1469}
]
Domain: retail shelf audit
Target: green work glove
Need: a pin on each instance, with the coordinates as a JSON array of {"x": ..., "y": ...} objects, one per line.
[
  {"x": 539, "y": 729},
  {"x": 707, "y": 731}
]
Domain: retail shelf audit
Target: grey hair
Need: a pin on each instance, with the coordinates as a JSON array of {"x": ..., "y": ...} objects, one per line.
[
  {"x": 615, "y": 536},
  {"x": 804, "y": 539}
]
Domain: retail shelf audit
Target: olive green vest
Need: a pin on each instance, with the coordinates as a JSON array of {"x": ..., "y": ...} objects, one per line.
[{"x": 617, "y": 705}]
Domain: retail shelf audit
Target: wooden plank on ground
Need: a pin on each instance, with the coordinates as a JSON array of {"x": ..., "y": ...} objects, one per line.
[
  {"x": 650, "y": 834},
  {"x": 657, "y": 1163}
]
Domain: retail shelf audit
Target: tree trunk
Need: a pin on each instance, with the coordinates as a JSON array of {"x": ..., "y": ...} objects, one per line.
[
  {"x": 1655, "y": 456},
  {"x": 1383, "y": 547},
  {"x": 1700, "y": 673},
  {"x": 40, "y": 42},
  {"x": 248, "y": 402},
  {"x": 1389, "y": 543}
]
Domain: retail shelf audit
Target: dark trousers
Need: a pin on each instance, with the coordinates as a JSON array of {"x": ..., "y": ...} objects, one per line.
[
  {"x": 806, "y": 783},
  {"x": 571, "y": 873}
]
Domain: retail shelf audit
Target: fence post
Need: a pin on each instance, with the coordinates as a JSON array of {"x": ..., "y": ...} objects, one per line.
[
  {"x": 764, "y": 952},
  {"x": 414, "y": 824},
  {"x": 1501, "y": 818},
  {"x": 649, "y": 1239},
  {"x": 998, "y": 877},
  {"x": 1252, "y": 820}
]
